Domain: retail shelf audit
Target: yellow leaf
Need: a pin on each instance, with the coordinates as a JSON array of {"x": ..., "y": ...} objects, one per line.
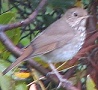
[
  {"x": 78, "y": 4},
  {"x": 22, "y": 75}
]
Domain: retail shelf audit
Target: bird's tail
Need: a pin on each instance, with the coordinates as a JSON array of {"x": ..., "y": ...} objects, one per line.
[
  {"x": 13, "y": 65},
  {"x": 23, "y": 57}
]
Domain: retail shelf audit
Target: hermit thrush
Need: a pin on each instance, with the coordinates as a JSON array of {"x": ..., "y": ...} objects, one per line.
[{"x": 60, "y": 41}]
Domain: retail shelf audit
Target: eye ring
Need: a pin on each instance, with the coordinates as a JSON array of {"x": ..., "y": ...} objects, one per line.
[{"x": 75, "y": 14}]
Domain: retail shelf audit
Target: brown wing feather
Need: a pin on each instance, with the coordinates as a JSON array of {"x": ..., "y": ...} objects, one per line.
[
  {"x": 25, "y": 54},
  {"x": 54, "y": 34}
]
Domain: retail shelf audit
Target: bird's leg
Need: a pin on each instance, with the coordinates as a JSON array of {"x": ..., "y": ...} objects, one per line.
[{"x": 61, "y": 79}]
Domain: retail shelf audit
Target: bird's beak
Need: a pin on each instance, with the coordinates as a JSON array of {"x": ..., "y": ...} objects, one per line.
[{"x": 88, "y": 16}]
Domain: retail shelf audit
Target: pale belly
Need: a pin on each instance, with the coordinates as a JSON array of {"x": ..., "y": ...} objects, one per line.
[
  {"x": 68, "y": 51},
  {"x": 63, "y": 54}
]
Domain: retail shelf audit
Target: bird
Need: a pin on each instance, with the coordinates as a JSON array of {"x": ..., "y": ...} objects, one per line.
[{"x": 59, "y": 42}]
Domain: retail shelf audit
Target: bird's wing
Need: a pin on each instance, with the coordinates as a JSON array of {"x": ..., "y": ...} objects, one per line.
[{"x": 52, "y": 39}]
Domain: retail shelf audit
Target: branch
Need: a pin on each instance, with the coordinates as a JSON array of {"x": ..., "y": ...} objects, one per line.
[
  {"x": 9, "y": 45},
  {"x": 26, "y": 21}
]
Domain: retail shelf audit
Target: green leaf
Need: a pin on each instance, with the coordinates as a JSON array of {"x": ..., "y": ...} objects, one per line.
[
  {"x": 7, "y": 83},
  {"x": 14, "y": 35},
  {"x": 3, "y": 65},
  {"x": 6, "y": 17},
  {"x": 25, "y": 41},
  {"x": 90, "y": 84},
  {"x": 21, "y": 86}
]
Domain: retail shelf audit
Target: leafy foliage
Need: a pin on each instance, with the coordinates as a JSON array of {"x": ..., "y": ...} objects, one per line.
[
  {"x": 6, "y": 18},
  {"x": 15, "y": 10}
]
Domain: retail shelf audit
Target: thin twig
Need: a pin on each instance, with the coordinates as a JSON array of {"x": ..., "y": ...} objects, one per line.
[{"x": 26, "y": 21}]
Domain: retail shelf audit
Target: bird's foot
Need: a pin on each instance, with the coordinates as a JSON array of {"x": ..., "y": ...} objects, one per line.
[
  {"x": 50, "y": 73},
  {"x": 65, "y": 83}
]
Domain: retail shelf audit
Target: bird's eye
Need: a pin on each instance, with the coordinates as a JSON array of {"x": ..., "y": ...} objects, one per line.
[{"x": 75, "y": 14}]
